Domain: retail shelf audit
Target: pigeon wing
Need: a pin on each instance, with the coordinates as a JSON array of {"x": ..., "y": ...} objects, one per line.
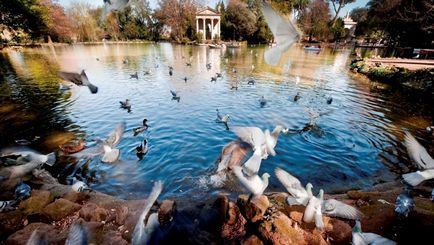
[
  {"x": 115, "y": 136},
  {"x": 335, "y": 208},
  {"x": 251, "y": 135},
  {"x": 291, "y": 184},
  {"x": 71, "y": 77},
  {"x": 418, "y": 153},
  {"x": 251, "y": 166}
]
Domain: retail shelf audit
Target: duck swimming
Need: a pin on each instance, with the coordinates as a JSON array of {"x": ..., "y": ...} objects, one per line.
[
  {"x": 262, "y": 101},
  {"x": 142, "y": 128},
  {"x": 135, "y": 75},
  {"x": 251, "y": 82},
  {"x": 142, "y": 149},
  {"x": 297, "y": 97},
  {"x": 329, "y": 100}
]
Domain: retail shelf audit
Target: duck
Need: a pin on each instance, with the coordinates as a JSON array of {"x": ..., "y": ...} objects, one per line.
[
  {"x": 142, "y": 149},
  {"x": 188, "y": 63},
  {"x": 251, "y": 82},
  {"x": 135, "y": 75},
  {"x": 126, "y": 104},
  {"x": 262, "y": 101},
  {"x": 208, "y": 66},
  {"x": 185, "y": 79},
  {"x": 213, "y": 79},
  {"x": 142, "y": 128},
  {"x": 170, "y": 72},
  {"x": 297, "y": 97},
  {"x": 234, "y": 86},
  {"x": 148, "y": 72},
  {"x": 73, "y": 147},
  {"x": 125, "y": 61},
  {"x": 175, "y": 95},
  {"x": 218, "y": 74},
  {"x": 329, "y": 100}
]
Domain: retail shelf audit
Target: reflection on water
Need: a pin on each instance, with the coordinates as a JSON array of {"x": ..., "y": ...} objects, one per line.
[{"x": 351, "y": 143}]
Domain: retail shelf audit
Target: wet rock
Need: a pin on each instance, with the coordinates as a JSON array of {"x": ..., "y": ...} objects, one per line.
[
  {"x": 339, "y": 231},
  {"x": 92, "y": 212},
  {"x": 43, "y": 177},
  {"x": 77, "y": 197},
  {"x": 113, "y": 238},
  {"x": 279, "y": 230},
  {"x": 36, "y": 202},
  {"x": 121, "y": 215},
  {"x": 314, "y": 238},
  {"x": 51, "y": 233},
  {"x": 252, "y": 240},
  {"x": 254, "y": 209},
  {"x": 94, "y": 231},
  {"x": 233, "y": 229},
  {"x": 166, "y": 211},
  {"x": 60, "y": 208},
  {"x": 10, "y": 222}
]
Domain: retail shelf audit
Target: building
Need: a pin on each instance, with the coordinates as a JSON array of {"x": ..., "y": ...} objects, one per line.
[
  {"x": 208, "y": 23},
  {"x": 350, "y": 24}
]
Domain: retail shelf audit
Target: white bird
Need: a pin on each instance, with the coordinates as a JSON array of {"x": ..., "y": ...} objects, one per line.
[
  {"x": 366, "y": 238},
  {"x": 78, "y": 79},
  {"x": 80, "y": 186},
  {"x": 315, "y": 206},
  {"x": 143, "y": 230},
  {"x": 284, "y": 32},
  {"x": 259, "y": 139},
  {"x": 251, "y": 166},
  {"x": 106, "y": 148},
  {"x": 254, "y": 184},
  {"x": 421, "y": 159}
]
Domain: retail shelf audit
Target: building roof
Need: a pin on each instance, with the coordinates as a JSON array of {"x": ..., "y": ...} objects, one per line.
[{"x": 207, "y": 12}]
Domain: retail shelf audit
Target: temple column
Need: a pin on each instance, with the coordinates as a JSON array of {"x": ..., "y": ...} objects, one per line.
[
  {"x": 204, "y": 28},
  {"x": 197, "y": 25}
]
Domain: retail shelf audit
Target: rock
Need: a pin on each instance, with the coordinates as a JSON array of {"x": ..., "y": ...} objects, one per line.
[
  {"x": 252, "y": 240},
  {"x": 10, "y": 222},
  {"x": 113, "y": 238},
  {"x": 121, "y": 215},
  {"x": 166, "y": 211},
  {"x": 51, "y": 234},
  {"x": 77, "y": 197},
  {"x": 339, "y": 231},
  {"x": 36, "y": 202},
  {"x": 315, "y": 238},
  {"x": 92, "y": 212},
  {"x": 233, "y": 229},
  {"x": 94, "y": 231},
  {"x": 254, "y": 209},
  {"x": 278, "y": 230},
  {"x": 60, "y": 208}
]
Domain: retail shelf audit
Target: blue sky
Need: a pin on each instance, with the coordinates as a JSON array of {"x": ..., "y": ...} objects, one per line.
[{"x": 212, "y": 3}]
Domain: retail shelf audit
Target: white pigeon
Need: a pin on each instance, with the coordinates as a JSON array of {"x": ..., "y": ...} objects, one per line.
[
  {"x": 315, "y": 206},
  {"x": 258, "y": 139},
  {"x": 143, "y": 230},
  {"x": 421, "y": 159},
  {"x": 284, "y": 32},
  {"x": 80, "y": 186},
  {"x": 366, "y": 238},
  {"x": 106, "y": 148},
  {"x": 254, "y": 184},
  {"x": 251, "y": 166}
]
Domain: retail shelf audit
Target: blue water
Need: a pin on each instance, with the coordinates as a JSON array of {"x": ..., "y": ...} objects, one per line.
[{"x": 355, "y": 144}]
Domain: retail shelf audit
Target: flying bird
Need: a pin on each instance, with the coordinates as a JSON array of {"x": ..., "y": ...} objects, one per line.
[
  {"x": 315, "y": 206},
  {"x": 284, "y": 32},
  {"x": 77, "y": 235},
  {"x": 78, "y": 79},
  {"x": 421, "y": 159},
  {"x": 145, "y": 226},
  {"x": 254, "y": 184},
  {"x": 367, "y": 238}
]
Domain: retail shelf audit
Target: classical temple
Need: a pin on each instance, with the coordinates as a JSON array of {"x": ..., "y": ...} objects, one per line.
[{"x": 208, "y": 23}]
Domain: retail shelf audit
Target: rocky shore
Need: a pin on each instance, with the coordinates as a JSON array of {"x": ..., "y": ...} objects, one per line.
[
  {"x": 53, "y": 207},
  {"x": 393, "y": 73}
]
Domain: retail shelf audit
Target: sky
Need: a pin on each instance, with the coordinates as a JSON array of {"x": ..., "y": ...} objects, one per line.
[{"x": 212, "y": 3}]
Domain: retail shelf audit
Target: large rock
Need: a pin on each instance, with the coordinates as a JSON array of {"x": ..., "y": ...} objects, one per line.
[
  {"x": 166, "y": 211},
  {"x": 121, "y": 215},
  {"x": 254, "y": 209},
  {"x": 50, "y": 232},
  {"x": 92, "y": 212},
  {"x": 113, "y": 238},
  {"x": 36, "y": 202},
  {"x": 60, "y": 208},
  {"x": 339, "y": 231},
  {"x": 252, "y": 240},
  {"x": 278, "y": 230},
  {"x": 10, "y": 222},
  {"x": 233, "y": 229}
]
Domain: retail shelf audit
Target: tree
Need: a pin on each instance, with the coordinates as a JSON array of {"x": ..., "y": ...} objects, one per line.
[
  {"x": 59, "y": 25},
  {"x": 359, "y": 14},
  {"x": 84, "y": 21},
  {"x": 178, "y": 15},
  {"x": 337, "y": 6},
  {"x": 239, "y": 20},
  {"x": 314, "y": 20}
]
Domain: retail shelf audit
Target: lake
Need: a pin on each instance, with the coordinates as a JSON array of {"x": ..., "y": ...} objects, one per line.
[{"x": 355, "y": 143}]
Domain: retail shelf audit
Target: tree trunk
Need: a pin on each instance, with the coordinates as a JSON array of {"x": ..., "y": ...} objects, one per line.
[{"x": 337, "y": 14}]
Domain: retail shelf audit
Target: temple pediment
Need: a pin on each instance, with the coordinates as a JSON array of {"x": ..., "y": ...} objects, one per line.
[{"x": 208, "y": 12}]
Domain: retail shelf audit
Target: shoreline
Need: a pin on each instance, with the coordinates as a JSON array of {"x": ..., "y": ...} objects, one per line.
[{"x": 53, "y": 207}]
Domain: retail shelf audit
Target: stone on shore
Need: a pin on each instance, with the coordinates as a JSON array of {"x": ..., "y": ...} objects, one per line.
[
  {"x": 233, "y": 228},
  {"x": 92, "y": 212},
  {"x": 278, "y": 230},
  {"x": 53, "y": 235},
  {"x": 60, "y": 209},
  {"x": 36, "y": 202},
  {"x": 254, "y": 209}
]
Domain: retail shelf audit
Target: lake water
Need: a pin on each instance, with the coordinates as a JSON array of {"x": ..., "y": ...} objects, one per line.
[{"x": 355, "y": 143}]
